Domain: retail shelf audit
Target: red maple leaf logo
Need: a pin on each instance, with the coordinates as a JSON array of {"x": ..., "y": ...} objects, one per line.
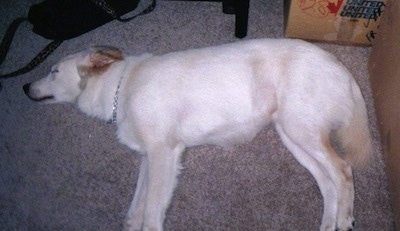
[{"x": 334, "y": 8}]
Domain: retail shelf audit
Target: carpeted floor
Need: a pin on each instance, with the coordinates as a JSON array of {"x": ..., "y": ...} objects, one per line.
[{"x": 61, "y": 170}]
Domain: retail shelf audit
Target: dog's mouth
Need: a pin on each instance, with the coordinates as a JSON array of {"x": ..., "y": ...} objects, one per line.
[{"x": 28, "y": 92}]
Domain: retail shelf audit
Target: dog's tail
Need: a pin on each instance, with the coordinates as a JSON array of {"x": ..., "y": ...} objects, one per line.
[{"x": 355, "y": 137}]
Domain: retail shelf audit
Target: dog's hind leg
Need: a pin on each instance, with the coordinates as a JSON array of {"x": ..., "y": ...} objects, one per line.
[
  {"x": 333, "y": 175},
  {"x": 134, "y": 218},
  {"x": 163, "y": 168}
]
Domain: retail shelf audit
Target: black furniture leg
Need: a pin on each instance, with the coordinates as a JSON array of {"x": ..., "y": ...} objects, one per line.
[
  {"x": 228, "y": 7},
  {"x": 242, "y": 15},
  {"x": 238, "y": 7}
]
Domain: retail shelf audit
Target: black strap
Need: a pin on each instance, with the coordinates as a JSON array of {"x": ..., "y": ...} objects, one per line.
[
  {"x": 148, "y": 9},
  {"x": 109, "y": 10},
  {"x": 39, "y": 58},
  {"x": 6, "y": 42}
]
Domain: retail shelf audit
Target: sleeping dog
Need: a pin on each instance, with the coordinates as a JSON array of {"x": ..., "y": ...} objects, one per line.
[{"x": 221, "y": 95}]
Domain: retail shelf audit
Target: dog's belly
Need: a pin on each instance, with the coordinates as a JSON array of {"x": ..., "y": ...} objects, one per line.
[
  {"x": 223, "y": 135},
  {"x": 226, "y": 117},
  {"x": 223, "y": 126}
]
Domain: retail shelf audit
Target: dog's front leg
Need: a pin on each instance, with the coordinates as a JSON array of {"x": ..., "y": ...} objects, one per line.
[
  {"x": 163, "y": 168},
  {"x": 134, "y": 218}
]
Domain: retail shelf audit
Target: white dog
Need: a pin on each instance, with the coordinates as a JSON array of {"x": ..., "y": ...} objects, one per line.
[{"x": 221, "y": 95}]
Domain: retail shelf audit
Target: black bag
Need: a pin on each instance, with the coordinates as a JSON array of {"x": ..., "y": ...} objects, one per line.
[{"x": 60, "y": 20}]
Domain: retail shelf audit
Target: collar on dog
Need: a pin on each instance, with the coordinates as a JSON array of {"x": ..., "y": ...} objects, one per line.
[{"x": 113, "y": 119}]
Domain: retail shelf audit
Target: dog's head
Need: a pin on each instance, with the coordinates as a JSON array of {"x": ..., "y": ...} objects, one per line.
[{"x": 67, "y": 79}]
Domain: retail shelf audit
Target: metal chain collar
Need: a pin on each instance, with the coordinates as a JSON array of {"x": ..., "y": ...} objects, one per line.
[{"x": 113, "y": 119}]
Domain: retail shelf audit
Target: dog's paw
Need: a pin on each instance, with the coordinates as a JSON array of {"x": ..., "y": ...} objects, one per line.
[
  {"x": 348, "y": 225},
  {"x": 328, "y": 227},
  {"x": 128, "y": 227},
  {"x": 131, "y": 225}
]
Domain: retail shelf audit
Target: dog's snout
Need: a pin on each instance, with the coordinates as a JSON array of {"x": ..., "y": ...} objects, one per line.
[
  {"x": 26, "y": 88},
  {"x": 35, "y": 94}
]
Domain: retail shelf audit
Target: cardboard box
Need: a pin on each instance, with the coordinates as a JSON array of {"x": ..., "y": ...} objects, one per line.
[
  {"x": 340, "y": 21},
  {"x": 384, "y": 69}
]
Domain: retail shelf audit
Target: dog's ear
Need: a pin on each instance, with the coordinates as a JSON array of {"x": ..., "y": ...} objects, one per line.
[
  {"x": 99, "y": 60},
  {"x": 103, "y": 55}
]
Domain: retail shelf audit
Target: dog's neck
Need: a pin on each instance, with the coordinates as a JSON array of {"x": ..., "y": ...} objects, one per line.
[
  {"x": 101, "y": 93},
  {"x": 128, "y": 65},
  {"x": 113, "y": 119},
  {"x": 102, "y": 96}
]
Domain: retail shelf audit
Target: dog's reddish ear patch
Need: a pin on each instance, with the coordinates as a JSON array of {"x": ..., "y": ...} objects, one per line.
[
  {"x": 100, "y": 59},
  {"x": 103, "y": 56}
]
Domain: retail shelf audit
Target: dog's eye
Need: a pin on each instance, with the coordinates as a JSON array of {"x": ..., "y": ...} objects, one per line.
[{"x": 53, "y": 74}]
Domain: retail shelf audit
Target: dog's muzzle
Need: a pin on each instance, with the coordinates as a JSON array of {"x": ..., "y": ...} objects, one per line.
[{"x": 31, "y": 94}]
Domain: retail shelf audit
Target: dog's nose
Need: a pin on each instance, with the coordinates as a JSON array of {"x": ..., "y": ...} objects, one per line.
[{"x": 26, "y": 88}]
